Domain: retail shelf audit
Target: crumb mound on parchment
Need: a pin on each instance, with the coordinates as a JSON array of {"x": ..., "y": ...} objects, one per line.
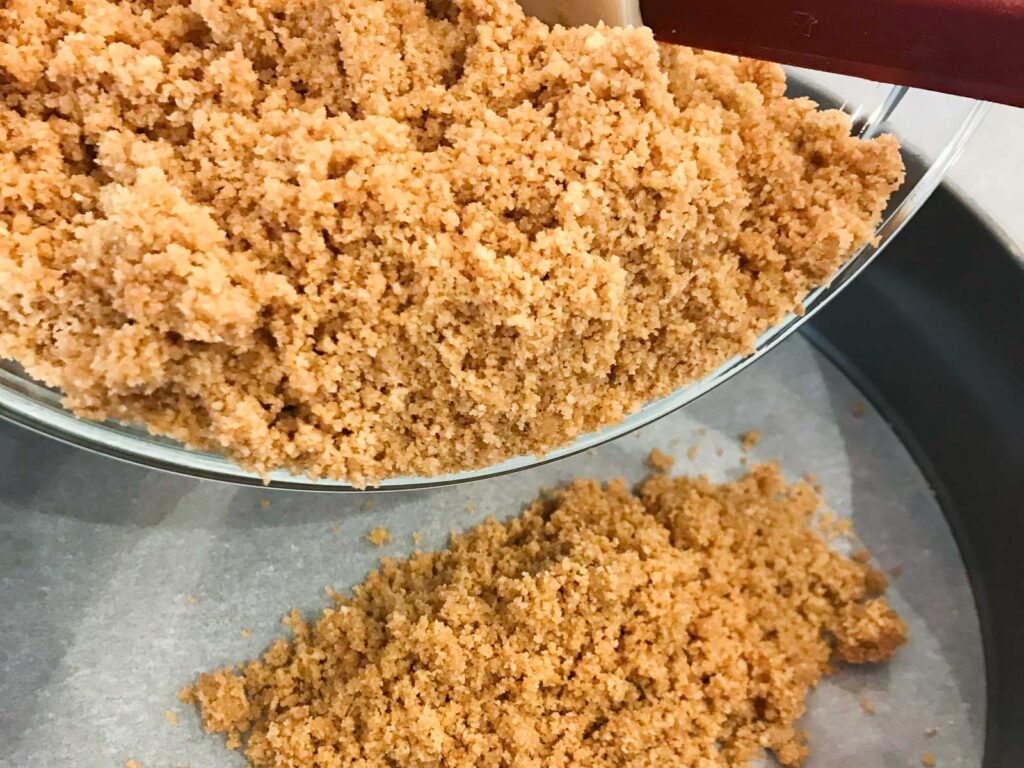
[{"x": 681, "y": 624}]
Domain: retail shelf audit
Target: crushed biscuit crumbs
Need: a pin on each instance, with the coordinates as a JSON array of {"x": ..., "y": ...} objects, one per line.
[
  {"x": 363, "y": 238},
  {"x": 867, "y": 705},
  {"x": 749, "y": 439},
  {"x": 896, "y": 571},
  {"x": 171, "y": 716},
  {"x": 379, "y": 536},
  {"x": 417, "y": 538},
  {"x": 928, "y": 759},
  {"x": 602, "y": 627},
  {"x": 659, "y": 461},
  {"x": 694, "y": 450},
  {"x": 132, "y": 763},
  {"x": 246, "y": 632},
  {"x": 265, "y": 503},
  {"x": 930, "y": 732},
  {"x": 857, "y": 409},
  {"x": 190, "y": 600}
]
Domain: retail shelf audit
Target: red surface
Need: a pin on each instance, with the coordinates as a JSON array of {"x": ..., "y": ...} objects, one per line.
[{"x": 968, "y": 47}]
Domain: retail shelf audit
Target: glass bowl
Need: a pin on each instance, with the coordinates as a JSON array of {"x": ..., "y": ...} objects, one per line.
[{"x": 936, "y": 126}]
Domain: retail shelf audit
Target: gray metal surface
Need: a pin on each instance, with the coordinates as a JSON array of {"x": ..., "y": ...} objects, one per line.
[{"x": 118, "y": 584}]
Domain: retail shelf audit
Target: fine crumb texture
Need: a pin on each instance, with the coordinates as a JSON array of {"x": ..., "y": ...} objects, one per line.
[
  {"x": 867, "y": 705},
  {"x": 681, "y": 624},
  {"x": 694, "y": 450},
  {"x": 246, "y": 632},
  {"x": 749, "y": 439},
  {"x": 857, "y": 409},
  {"x": 362, "y": 238},
  {"x": 928, "y": 759},
  {"x": 659, "y": 461},
  {"x": 379, "y": 536},
  {"x": 131, "y": 764},
  {"x": 171, "y": 716}
]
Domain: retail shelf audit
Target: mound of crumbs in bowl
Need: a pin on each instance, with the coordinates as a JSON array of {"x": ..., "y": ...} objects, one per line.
[
  {"x": 681, "y": 624},
  {"x": 364, "y": 238}
]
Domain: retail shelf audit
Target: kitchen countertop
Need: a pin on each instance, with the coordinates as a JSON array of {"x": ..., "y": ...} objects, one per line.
[{"x": 991, "y": 171}]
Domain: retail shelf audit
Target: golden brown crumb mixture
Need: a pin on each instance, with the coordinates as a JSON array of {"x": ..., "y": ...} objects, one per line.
[
  {"x": 749, "y": 439},
  {"x": 359, "y": 238},
  {"x": 659, "y": 460},
  {"x": 683, "y": 624},
  {"x": 379, "y": 536}
]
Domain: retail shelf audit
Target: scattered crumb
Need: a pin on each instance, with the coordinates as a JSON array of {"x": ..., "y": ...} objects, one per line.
[
  {"x": 857, "y": 409},
  {"x": 336, "y": 528},
  {"x": 749, "y": 439},
  {"x": 320, "y": 235},
  {"x": 469, "y": 507},
  {"x": 743, "y": 461},
  {"x": 929, "y": 732},
  {"x": 658, "y": 461},
  {"x": 867, "y": 705},
  {"x": 896, "y": 571},
  {"x": 700, "y": 431},
  {"x": 379, "y": 536},
  {"x": 830, "y": 525},
  {"x": 928, "y": 759},
  {"x": 417, "y": 538},
  {"x": 876, "y": 582},
  {"x": 861, "y": 556},
  {"x": 265, "y": 503},
  {"x": 246, "y": 632},
  {"x": 171, "y": 716},
  {"x": 132, "y": 763},
  {"x": 694, "y": 449},
  {"x": 555, "y": 637},
  {"x": 367, "y": 505},
  {"x": 190, "y": 600},
  {"x": 719, "y": 451}
]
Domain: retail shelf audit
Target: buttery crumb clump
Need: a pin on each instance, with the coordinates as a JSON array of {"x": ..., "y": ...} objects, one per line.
[
  {"x": 750, "y": 439},
  {"x": 379, "y": 536},
  {"x": 681, "y": 624},
  {"x": 660, "y": 461},
  {"x": 362, "y": 238}
]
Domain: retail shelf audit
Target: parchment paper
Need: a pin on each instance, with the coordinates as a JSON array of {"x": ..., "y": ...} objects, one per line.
[{"x": 119, "y": 584}]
